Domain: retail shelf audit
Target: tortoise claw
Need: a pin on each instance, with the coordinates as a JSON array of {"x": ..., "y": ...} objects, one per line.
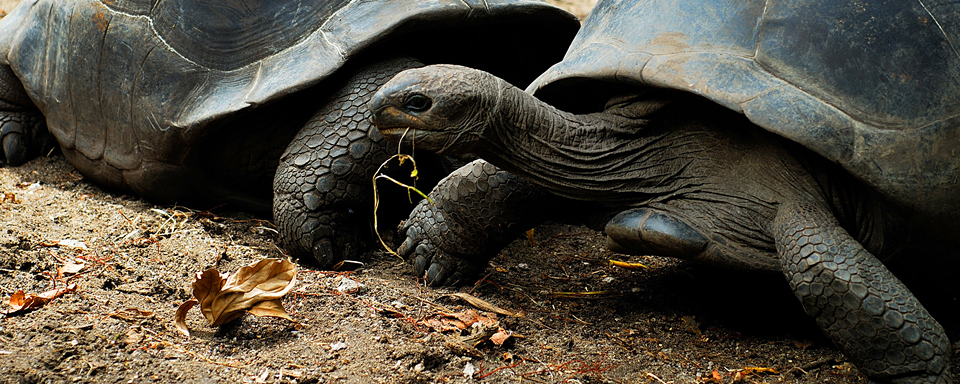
[
  {"x": 23, "y": 136},
  {"x": 430, "y": 262},
  {"x": 14, "y": 146}
]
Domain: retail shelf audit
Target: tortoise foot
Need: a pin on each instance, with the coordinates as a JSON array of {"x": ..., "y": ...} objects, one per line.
[
  {"x": 23, "y": 131},
  {"x": 478, "y": 209},
  {"x": 426, "y": 232}
]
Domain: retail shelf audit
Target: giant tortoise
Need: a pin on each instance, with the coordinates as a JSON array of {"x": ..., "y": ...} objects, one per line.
[
  {"x": 817, "y": 139},
  {"x": 195, "y": 102}
]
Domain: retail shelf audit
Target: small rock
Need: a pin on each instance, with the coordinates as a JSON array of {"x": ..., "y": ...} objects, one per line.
[
  {"x": 348, "y": 285},
  {"x": 469, "y": 370},
  {"x": 523, "y": 267},
  {"x": 337, "y": 346},
  {"x": 608, "y": 279}
]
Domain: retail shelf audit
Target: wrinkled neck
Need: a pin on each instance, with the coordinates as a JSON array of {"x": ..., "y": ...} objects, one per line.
[{"x": 609, "y": 155}]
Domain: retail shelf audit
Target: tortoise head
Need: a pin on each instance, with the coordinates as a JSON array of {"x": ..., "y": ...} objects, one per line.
[{"x": 443, "y": 108}]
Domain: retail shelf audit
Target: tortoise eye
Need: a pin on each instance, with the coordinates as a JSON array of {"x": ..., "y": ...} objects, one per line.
[{"x": 418, "y": 103}]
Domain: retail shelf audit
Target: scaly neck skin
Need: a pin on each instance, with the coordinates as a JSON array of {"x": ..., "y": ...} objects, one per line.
[{"x": 610, "y": 156}]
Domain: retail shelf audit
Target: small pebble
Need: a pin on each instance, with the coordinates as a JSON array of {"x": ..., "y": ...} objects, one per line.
[{"x": 347, "y": 285}]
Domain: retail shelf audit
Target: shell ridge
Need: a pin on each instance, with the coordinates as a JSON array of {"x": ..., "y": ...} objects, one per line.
[
  {"x": 756, "y": 29},
  {"x": 103, "y": 117},
  {"x": 254, "y": 84},
  {"x": 133, "y": 105},
  {"x": 159, "y": 36},
  {"x": 953, "y": 44},
  {"x": 323, "y": 27}
]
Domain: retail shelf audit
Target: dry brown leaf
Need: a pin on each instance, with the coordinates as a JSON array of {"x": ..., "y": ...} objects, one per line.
[
  {"x": 627, "y": 265},
  {"x": 484, "y": 305},
  {"x": 21, "y": 301},
  {"x": 181, "y": 316},
  {"x": 10, "y": 197},
  {"x": 70, "y": 267},
  {"x": 501, "y": 336},
  {"x": 256, "y": 288},
  {"x": 132, "y": 337},
  {"x": 442, "y": 322},
  {"x": 272, "y": 308},
  {"x": 714, "y": 378},
  {"x": 752, "y": 370}
]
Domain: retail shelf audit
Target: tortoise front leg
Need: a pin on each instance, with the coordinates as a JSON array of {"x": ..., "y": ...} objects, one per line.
[
  {"x": 477, "y": 210},
  {"x": 862, "y": 307},
  {"x": 23, "y": 131},
  {"x": 323, "y": 197}
]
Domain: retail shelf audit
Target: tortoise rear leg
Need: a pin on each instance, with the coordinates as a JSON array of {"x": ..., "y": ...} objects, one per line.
[
  {"x": 862, "y": 307},
  {"x": 23, "y": 131},
  {"x": 322, "y": 189}
]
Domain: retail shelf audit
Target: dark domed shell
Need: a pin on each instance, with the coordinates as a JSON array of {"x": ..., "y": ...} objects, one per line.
[
  {"x": 129, "y": 86},
  {"x": 874, "y": 86}
]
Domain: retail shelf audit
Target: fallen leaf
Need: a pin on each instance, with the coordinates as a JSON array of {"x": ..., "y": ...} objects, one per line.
[
  {"x": 21, "y": 301},
  {"x": 10, "y": 197},
  {"x": 272, "y": 308},
  {"x": 181, "y": 316},
  {"x": 70, "y": 267},
  {"x": 484, "y": 305},
  {"x": 132, "y": 337},
  {"x": 626, "y": 265},
  {"x": 255, "y": 289},
  {"x": 442, "y": 322},
  {"x": 714, "y": 378},
  {"x": 501, "y": 336},
  {"x": 752, "y": 370}
]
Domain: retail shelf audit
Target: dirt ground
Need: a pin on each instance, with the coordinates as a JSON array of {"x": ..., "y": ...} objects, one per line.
[{"x": 582, "y": 321}]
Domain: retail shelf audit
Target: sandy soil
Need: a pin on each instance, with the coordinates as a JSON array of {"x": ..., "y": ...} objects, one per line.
[{"x": 672, "y": 322}]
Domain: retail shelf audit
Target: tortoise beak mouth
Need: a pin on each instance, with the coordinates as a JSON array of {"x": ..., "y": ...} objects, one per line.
[{"x": 392, "y": 122}]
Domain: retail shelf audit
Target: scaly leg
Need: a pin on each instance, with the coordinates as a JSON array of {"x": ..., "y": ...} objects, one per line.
[
  {"x": 322, "y": 189},
  {"x": 23, "y": 131},
  {"x": 862, "y": 307}
]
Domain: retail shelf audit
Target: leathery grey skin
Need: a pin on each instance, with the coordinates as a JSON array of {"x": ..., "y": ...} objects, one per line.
[{"x": 692, "y": 180}]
